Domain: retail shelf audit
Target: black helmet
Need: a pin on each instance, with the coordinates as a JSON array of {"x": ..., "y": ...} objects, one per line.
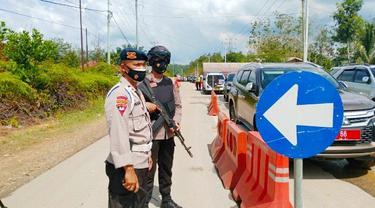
[{"x": 159, "y": 57}]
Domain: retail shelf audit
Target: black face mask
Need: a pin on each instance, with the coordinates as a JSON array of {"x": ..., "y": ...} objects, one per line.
[
  {"x": 138, "y": 76},
  {"x": 160, "y": 67}
]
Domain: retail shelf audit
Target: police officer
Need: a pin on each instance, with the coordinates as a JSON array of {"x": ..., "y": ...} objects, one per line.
[
  {"x": 198, "y": 82},
  {"x": 163, "y": 145},
  {"x": 129, "y": 160}
]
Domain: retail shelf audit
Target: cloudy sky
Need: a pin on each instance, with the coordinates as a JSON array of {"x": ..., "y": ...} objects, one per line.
[{"x": 189, "y": 28}]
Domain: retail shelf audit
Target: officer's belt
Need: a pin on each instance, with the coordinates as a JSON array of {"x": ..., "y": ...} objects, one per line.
[{"x": 141, "y": 147}]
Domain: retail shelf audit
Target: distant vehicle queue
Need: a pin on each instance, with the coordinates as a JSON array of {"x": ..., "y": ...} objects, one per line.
[{"x": 355, "y": 83}]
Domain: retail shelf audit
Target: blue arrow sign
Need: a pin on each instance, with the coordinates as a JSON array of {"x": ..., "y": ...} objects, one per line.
[{"x": 299, "y": 114}]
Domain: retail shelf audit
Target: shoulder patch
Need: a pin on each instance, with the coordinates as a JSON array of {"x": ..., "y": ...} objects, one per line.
[{"x": 121, "y": 104}]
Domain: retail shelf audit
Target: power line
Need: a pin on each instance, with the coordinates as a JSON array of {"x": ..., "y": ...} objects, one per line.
[
  {"x": 121, "y": 13},
  {"x": 45, "y": 20},
  {"x": 243, "y": 29},
  {"x": 271, "y": 6},
  {"x": 147, "y": 35},
  {"x": 72, "y": 6},
  {"x": 123, "y": 34},
  {"x": 69, "y": 2},
  {"x": 41, "y": 19}
]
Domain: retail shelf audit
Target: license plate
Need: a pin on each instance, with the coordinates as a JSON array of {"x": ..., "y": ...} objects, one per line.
[{"x": 349, "y": 135}]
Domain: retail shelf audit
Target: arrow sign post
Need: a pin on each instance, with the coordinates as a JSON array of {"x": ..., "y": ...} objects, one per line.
[
  {"x": 320, "y": 115},
  {"x": 299, "y": 115}
]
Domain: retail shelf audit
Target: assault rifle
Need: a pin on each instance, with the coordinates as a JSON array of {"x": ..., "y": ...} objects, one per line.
[{"x": 164, "y": 116}]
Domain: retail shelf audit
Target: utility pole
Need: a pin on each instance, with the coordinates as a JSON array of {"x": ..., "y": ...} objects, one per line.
[
  {"x": 87, "y": 48},
  {"x": 108, "y": 25},
  {"x": 303, "y": 27},
  {"x": 136, "y": 24},
  {"x": 225, "y": 50},
  {"x": 306, "y": 32},
  {"x": 80, "y": 21},
  {"x": 298, "y": 162}
]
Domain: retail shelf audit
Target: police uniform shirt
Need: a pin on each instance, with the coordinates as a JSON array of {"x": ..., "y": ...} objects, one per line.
[{"x": 129, "y": 126}]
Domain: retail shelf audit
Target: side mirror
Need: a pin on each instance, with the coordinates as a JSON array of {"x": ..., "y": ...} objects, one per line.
[
  {"x": 343, "y": 84},
  {"x": 250, "y": 87},
  {"x": 366, "y": 79}
]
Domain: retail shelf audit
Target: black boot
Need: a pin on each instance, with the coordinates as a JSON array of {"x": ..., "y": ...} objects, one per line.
[{"x": 169, "y": 204}]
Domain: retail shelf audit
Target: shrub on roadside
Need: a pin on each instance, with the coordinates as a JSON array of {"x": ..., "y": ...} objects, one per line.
[
  {"x": 56, "y": 87},
  {"x": 103, "y": 68},
  {"x": 18, "y": 100}
]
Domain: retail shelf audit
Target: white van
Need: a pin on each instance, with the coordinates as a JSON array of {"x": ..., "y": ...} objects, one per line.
[{"x": 213, "y": 81}]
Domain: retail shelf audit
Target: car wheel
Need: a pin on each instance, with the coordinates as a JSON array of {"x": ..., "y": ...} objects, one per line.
[
  {"x": 232, "y": 113},
  {"x": 362, "y": 162}
]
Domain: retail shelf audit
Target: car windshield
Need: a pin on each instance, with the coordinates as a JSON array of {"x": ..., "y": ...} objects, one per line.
[
  {"x": 268, "y": 75},
  {"x": 373, "y": 71},
  {"x": 230, "y": 77},
  {"x": 214, "y": 80}
]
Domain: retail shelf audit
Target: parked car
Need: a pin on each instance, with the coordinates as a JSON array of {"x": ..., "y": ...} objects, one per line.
[
  {"x": 359, "y": 78},
  {"x": 213, "y": 81},
  {"x": 356, "y": 141},
  {"x": 191, "y": 78},
  {"x": 228, "y": 84}
]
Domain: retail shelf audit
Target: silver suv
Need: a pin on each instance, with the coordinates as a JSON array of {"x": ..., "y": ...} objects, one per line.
[
  {"x": 356, "y": 140},
  {"x": 359, "y": 78}
]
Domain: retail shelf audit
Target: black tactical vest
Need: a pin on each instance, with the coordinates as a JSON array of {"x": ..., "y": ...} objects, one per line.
[{"x": 164, "y": 93}]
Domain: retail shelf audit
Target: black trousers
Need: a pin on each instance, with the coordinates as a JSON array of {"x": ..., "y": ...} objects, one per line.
[
  {"x": 162, "y": 155},
  {"x": 118, "y": 196},
  {"x": 198, "y": 85}
]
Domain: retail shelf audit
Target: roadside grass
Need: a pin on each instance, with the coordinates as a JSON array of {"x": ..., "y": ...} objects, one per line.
[{"x": 63, "y": 122}]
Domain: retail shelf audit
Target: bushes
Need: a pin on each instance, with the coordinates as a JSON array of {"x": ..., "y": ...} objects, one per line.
[
  {"x": 55, "y": 87},
  {"x": 18, "y": 100},
  {"x": 103, "y": 68},
  {"x": 33, "y": 85}
]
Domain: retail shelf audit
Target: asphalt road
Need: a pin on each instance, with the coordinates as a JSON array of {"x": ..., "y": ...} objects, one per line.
[{"x": 80, "y": 181}]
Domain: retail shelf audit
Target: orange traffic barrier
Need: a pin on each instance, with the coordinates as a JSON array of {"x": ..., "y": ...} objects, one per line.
[
  {"x": 231, "y": 164},
  {"x": 213, "y": 108},
  {"x": 218, "y": 145},
  {"x": 265, "y": 180}
]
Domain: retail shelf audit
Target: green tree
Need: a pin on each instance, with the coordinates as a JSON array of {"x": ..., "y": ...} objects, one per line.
[
  {"x": 71, "y": 58},
  {"x": 236, "y": 57},
  {"x": 322, "y": 50},
  {"x": 348, "y": 23},
  {"x": 216, "y": 57},
  {"x": 3, "y": 32},
  {"x": 29, "y": 50},
  {"x": 66, "y": 54},
  {"x": 366, "y": 44},
  {"x": 275, "y": 40},
  {"x": 98, "y": 54}
]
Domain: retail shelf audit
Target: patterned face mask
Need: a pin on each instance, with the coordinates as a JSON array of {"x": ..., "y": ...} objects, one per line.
[{"x": 138, "y": 75}]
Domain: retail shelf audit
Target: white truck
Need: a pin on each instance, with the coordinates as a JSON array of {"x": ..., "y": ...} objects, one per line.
[{"x": 213, "y": 81}]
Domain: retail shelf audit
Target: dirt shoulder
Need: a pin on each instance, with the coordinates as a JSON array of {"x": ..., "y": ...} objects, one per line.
[{"x": 27, "y": 153}]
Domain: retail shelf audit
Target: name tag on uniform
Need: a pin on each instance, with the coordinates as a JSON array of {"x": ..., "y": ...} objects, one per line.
[{"x": 153, "y": 84}]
